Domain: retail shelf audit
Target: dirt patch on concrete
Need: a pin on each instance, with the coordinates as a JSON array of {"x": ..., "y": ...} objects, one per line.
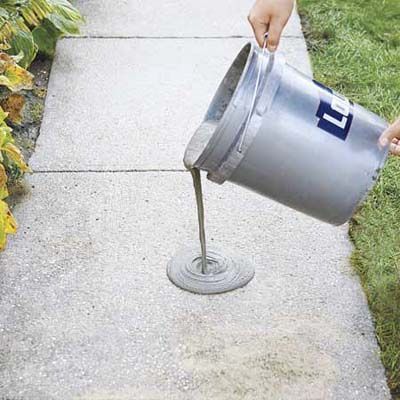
[{"x": 283, "y": 362}]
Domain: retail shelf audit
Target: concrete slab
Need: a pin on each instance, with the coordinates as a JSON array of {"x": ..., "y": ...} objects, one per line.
[
  {"x": 133, "y": 104},
  {"x": 87, "y": 312},
  {"x": 171, "y": 18}
]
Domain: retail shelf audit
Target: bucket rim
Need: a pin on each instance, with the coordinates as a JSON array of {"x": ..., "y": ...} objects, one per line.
[
  {"x": 231, "y": 108},
  {"x": 228, "y": 132}
]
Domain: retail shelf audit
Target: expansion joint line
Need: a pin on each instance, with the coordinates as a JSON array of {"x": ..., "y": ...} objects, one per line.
[
  {"x": 169, "y": 37},
  {"x": 106, "y": 171}
]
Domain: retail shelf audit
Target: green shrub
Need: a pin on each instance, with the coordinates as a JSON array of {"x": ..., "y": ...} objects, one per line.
[
  {"x": 26, "y": 28},
  {"x": 29, "y": 26},
  {"x": 355, "y": 48}
]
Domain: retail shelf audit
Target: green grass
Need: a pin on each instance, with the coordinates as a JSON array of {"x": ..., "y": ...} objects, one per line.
[{"x": 355, "y": 48}]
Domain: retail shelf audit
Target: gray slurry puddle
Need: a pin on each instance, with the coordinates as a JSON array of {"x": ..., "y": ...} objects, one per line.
[
  {"x": 213, "y": 270},
  {"x": 208, "y": 270}
]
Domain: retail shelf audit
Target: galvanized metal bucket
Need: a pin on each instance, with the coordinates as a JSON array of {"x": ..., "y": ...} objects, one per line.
[{"x": 274, "y": 130}]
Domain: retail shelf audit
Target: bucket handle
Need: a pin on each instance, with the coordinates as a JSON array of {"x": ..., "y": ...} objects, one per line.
[{"x": 253, "y": 100}]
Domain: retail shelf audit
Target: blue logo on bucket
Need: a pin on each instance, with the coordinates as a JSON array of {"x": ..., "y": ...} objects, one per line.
[{"x": 335, "y": 112}]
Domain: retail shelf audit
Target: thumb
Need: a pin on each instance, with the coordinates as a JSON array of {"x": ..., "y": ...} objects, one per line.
[
  {"x": 259, "y": 29},
  {"x": 274, "y": 33}
]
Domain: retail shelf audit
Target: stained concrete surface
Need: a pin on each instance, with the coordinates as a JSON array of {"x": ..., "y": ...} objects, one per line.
[
  {"x": 88, "y": 312},
  {"x": 86, "y": 309}
]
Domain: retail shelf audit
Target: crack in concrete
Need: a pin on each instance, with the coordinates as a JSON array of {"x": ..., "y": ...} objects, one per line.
[
  {"x": 171, "y": 37},
  {"x": 109, "y": 171}
]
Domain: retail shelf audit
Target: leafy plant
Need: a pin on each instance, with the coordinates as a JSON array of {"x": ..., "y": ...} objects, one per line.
[
  {"x": 14, "y": 78},
  {"x": 29, "y": 26},
  {"x": 26, "y": 28},
  {"x": 10, "y": 156}
]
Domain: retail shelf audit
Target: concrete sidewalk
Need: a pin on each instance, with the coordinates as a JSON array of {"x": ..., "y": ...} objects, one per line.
[{"x": 86, "y": 309}]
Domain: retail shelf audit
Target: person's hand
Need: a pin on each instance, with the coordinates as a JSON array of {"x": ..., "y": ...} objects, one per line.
[
  {"x": 392, "y": 136},
  {"x": 270, "y": 16}
]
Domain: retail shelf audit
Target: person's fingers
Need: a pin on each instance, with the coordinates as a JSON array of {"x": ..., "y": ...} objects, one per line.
[
  {"x": 274, "y": 33},
  {"x": 259, "y": 29},
  {"x": 395, "y": 149},
  {"x": 390, "y": 133}
]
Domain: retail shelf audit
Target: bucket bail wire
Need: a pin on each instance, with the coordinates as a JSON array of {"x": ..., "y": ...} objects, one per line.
[{"x": 253, "y": 101}]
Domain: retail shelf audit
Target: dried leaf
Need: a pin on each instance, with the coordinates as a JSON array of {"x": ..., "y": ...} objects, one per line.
[
  {"x": 3, "y": 181},
  {"x": 8, "y": 225},
  {"x": 13, "y": 105},
  {"x": 3, "y": 235},
  {"x": 12, "y": 75},
  {"x": 3, "y": 192},
  {"x": 3, "y": 176},
  {"x": 11, "y": 224},
  {"x": 14, "y": 153}
]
